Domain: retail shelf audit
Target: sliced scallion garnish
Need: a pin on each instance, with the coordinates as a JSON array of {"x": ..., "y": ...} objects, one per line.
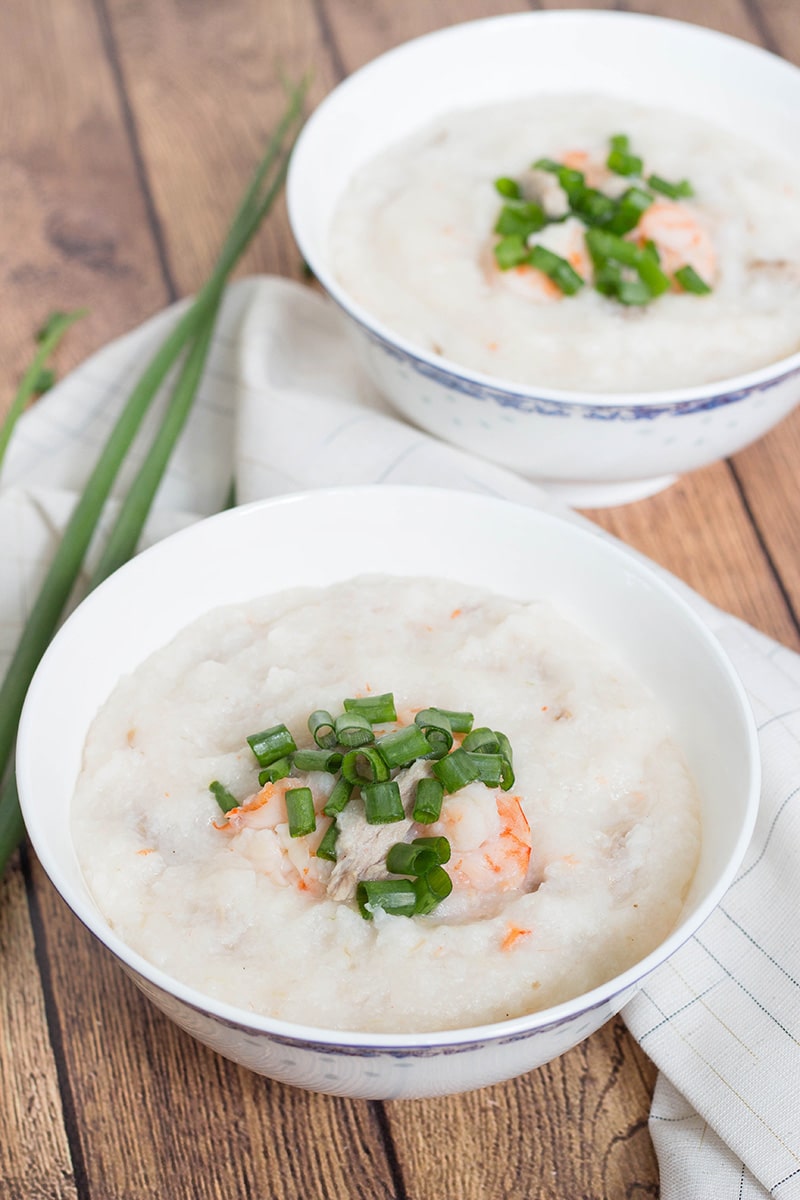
[
  {"x": 280, "y": 769},
  {"x": 353, "y": 729},
  {"x": 317, "y": 760},
  {"x": 428, "y": 801},
  {"x": 521, "y": 217},
  {"x": 383, "y": 803},
  {"x": 690, "y": 281},
  {"x": 403, "y": 746},
  {"x": 511, "y": 251},
  {"x": 509, "y": 188},
  {"x": 405, "y": 858},
  {"x": 364, "y": 765},
  {"x": 455, "y": 771},
  {"x": 439, "y": 845},
  {"x": 493, "y": 769},
  {"x": 271, "y": 744},
  {"x": 437, "y": 729},
  {"x": 431, "y": 890},
  {"x": 339, "y": 798},
  {"x": 395, "y": 896},
  {"x": 460, "y": 722},
  {"x": 300, "y": 811},
  {"x": 327, "y": 847},
  {"x": 563, "y": 275},
  {"x": 675, "y": 191},
  {"x": 377, "y": 709},
  {"x": 225, "y": 799},
  {"x": 620, "y": 160},
  {"x": 320, "y": 726}
]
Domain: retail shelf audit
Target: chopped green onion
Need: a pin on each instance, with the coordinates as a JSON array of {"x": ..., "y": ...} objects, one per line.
[
  {"x": 548, "y": 164},
  {"x": 603, "y": 245},
  {"x": 395, "y": 896},
  {"x": 439, "y": 845},
  {"x": 634, "y": 291},
  {"x": 320, "y": 726},
  {"x": 403, "y": 746},
  {"x": 483, "y": 740},
  {"x": 455, "y": 771},
  {"x": 364, "y": 764},
  {"x": 428, "y": 801},
  {"x": 593, "y": 206},
  {"x": 339, "y": 797},
  {"x": 460, "y": 722},
  {"x": 493, "y": 769},
  {"x": 520, "y": 217},
  {"x": 690, "y": 281},
  {"x": 511, "y": 251},
  {"x": 327, "y": 847},
  {"x": 565, "y": 277},
  {"x": 630, "y": 207},
  {"x": 377, "y": 709},
  {"x": 508, "y": 188},
  {"x": 300, "y": 811},
  {"x": 620, "y": 160},
  {"x": 437, "y": 729},
  {"x": 650, "y": 271},
  {"x": 280, "y": 769},
  {"x": 271, "y": 744},
  {"x": 675, "y": 191},
  {"x": 382, "y": 802},
  {"x": 353, "y": 729},
  {"x": 225, "y": 799},
  {"x": 431, "y": 889},
  {"x": 405, "y": 858},
  {"x": 317, "y": 760}
]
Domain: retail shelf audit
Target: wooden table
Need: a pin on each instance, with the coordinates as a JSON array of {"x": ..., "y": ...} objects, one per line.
[{"x": 128, "y": 130}]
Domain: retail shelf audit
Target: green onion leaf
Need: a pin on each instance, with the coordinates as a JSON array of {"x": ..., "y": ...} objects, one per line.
[
  {"x": 405, "y": 858},
  {"x": 364, "y": 765},
  {"x": 280, "y": 769},
  {"x": 428, "y": 801},
  {"x": 431, "y": 890},
  {"x": 320, "y": 726},
  {"x": 455, "y": 771},
  {"x": 353, "y": 729},
  {"x": 383, "y": 804},
  {"x": 437, "y": 729},
  {"x": 522, "y": 218},
  {"x": 327, "y": 847},
  {"x": 339, "y": 797},
  {"x": 511, "y": 251},
  {"x": 675, "y": 191},
  {"x": 460, "y": 722},
  {"x": 439, "y": 845},
  {"x": 483, "y": 740},
  {"x": 395, "y": 896},
  {"x": 403, "y": 746},
  {"x": 690, "y": 281},
  {"x": 620, "y": 160},
  {"x": 564, "y": 276},
  {"x": 225, "y": 799},
  {"x": 493, "y": 769},
  {"x": 548, "y": 164},
  {"x": 630, "y": 207},
  {"x": 508, "y": 188},
  {"x": 377, "y": 709},
  {"x": 271, "y": 744},
  {"x": 317, "y": 760},
  {"x": 633, "y": 292},
  {"x": 300, "y": 811}
]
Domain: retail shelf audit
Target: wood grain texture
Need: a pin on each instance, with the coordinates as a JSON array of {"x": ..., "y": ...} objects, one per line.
[{"x": 128, "y": 130}]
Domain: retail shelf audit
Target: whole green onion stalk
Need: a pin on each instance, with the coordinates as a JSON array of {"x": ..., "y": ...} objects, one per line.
[{"x": 190, "y": 341}]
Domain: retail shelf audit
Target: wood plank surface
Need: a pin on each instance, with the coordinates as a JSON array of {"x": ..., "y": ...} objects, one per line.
[{"x": 127, "y": 132}]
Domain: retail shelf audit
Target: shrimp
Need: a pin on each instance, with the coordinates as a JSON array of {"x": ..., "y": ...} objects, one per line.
[
  {"x": 259, "y": 829},
  {"x": 679, "y": 238},
  {"x": 490, "y": 842}
]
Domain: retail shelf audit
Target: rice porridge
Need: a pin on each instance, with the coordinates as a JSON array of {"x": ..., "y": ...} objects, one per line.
[
  {"x": 485, "y": 239},
  {"x": 566, "y": 858}
]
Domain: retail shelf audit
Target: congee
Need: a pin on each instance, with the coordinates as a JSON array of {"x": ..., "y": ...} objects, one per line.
[
  {"x": 396, "y": 805},
  {"x": 581, "y": 243}
]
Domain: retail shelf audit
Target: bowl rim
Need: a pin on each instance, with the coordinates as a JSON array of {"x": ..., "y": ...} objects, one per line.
[
  {"x": 745, "y": 382},
  {"x": 83, "y": 906}
]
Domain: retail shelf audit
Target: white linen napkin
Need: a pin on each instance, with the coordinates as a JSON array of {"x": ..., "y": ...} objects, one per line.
[{"x": 284, "y": 407}]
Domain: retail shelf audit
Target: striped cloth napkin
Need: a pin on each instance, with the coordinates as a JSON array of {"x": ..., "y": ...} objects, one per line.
[{"x": 283, "y": 407}]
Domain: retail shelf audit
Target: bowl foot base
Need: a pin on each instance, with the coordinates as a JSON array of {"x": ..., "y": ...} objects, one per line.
[{"x": 605, "y": 495}]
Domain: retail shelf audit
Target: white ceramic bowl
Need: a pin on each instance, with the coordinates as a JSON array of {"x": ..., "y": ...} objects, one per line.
[
  {"x": 603, "y": 586},
  {"x": 591, "y": 448}
]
